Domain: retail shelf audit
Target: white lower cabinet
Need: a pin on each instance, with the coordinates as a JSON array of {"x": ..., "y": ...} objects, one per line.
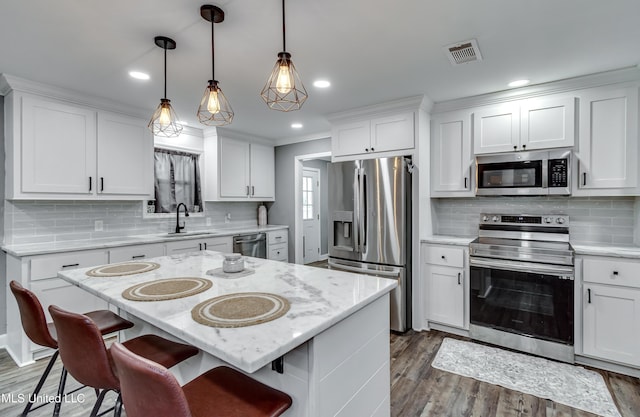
[
  {"x": 444, "y": 284},
  {"x": 136, "y": 252},
  {"x": 219, "y": 244},
  {"x": 278, "y": 246},
  {"x": 611, "y": 310}
]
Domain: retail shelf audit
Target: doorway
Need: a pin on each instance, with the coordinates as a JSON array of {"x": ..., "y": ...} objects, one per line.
[{"x": 310, "y": 215}]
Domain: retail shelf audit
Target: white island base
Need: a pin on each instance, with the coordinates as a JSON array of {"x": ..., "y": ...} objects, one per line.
[{"x": 343, "y": 371}]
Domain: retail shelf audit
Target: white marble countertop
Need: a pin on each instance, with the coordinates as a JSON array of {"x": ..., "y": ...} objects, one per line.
[
  {"x": 112, "y": 242},
  {"x": 447, "y": 240},
  {"x": 319, "y": 298},
  {"x": 607, "y": 250}
]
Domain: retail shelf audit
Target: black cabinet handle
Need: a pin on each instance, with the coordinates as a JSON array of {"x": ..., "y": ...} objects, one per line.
[
  {"x": 248, "y": 190},
  {"x": 137, "y": 256},
  {"x": 615, "y": 273},
  {"x": 205, "y": 245},
  {"x": 459, "y": 278},
  {"x": 90, "y": 183},
  {"x": 465, "y": 182},
  {"x": 524, "y": 146},
  {"x": 101, "y": 184},
  {"x": 253, "y": 190},
  {"x": 515, "y": 147},
  {"x": 70, "y": 265},
  {"x": 584, "y": 178},
  {"x": 589, "y": 295},
  {"x": 372, "y": 149},
  {"x": 199, "y": 246},
  {"x": 366, "y": 149}
]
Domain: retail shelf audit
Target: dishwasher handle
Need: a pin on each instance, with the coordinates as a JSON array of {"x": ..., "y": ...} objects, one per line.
[{"x": 261, "y": 238}]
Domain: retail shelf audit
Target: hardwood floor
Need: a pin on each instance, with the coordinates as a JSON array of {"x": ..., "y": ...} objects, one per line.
[{"x": 417, "y": 389}]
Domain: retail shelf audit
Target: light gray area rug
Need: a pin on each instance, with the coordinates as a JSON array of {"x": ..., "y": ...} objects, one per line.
[{"x": 567, "y": 384}]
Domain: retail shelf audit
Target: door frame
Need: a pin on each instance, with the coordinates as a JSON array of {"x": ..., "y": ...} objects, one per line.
[
  {"x": 297, "y": 198},
  {"x": 317, "y": 208}
]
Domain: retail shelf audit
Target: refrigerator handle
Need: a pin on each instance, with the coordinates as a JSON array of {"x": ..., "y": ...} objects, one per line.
[
  {"x": 356, "y": 210},
  {"x": 363, "y": 212}
]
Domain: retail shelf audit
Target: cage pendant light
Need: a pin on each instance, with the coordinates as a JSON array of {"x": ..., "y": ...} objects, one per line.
[
  {"x": 214, "y": 109},
  {"x": 164, "y": 121},
  {"x": 284, "y": 90}
]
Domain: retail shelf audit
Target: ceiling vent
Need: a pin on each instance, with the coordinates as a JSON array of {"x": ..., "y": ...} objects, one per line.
[{"x": 463, "y": 52}]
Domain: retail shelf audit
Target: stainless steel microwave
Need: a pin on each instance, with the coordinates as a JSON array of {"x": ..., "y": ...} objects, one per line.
[{"x": 524, "y": 173}]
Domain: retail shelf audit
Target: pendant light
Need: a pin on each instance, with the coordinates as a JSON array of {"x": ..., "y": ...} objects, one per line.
[
  {"x": 164, "y": 121},
  {"x": 284, "y": 90},
  {"x": 214, "y": 109}
]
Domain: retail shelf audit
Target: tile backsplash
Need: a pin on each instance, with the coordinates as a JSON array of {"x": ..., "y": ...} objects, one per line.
[
  {"x": 600, "y": 220},
  {"x": 55, "y": 221}
]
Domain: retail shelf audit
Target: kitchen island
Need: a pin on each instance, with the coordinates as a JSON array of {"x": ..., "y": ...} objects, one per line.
[{"x": 332, "y": 345}]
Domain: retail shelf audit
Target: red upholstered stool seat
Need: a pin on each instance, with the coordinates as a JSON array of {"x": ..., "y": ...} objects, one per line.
[
  {"x": 149, "y": 389},
  {"x": 35, "y": 326}
]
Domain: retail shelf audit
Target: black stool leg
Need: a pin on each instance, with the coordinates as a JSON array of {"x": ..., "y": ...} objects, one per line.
[
  {"x": 117, "y": 409},
  {"x": 63, "y": 381},
  {"x": 44, "y": 376},
  {"x": 98, "y": 404}
]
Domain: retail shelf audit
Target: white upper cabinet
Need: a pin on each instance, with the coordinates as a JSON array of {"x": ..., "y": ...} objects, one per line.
[
  {"x": 380, "y": 134},
  {"x": 125, "y": 156},
  {"x": 608, "y": 145},
  {"x": 246, "y": 171},
  {"x": 525, "y": 125},
  {"x": 57, "y": 150},
  {"x": 451, "y": 159}
]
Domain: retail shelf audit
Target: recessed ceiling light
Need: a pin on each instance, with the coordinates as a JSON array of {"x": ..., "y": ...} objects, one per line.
[
  {"x": 519, "y": 83},
  {"x": 321, "y": 83},
  {"x": 296, "y": 125},
  {"x": 139, "y": 75}
]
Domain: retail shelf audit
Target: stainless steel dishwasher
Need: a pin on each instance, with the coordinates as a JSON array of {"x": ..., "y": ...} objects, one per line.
[{"x": 253, "y": 244}]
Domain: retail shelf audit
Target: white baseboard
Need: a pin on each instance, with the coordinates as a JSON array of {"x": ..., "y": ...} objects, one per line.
[
  {"x": 323, "y": 257},
  {"x": 3, "y": 340}
]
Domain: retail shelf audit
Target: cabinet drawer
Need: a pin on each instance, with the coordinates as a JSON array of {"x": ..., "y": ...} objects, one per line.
[
  {"x": 43, "y": 267},
  {"x": 278, "y": 236},
  {"x": 279, "y": 253},
  {"x": 446, "y": 256},
  {"x": 612, "y": 271},
  {"x": 132, "y": 253}
]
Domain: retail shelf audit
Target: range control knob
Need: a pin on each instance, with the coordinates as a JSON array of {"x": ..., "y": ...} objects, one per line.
[
  {"x": 548, "y": 219},
  {"x": 485, "y": 218},
  {"x": 560, "y": 220},
  {"x": 495, "y": 218}
]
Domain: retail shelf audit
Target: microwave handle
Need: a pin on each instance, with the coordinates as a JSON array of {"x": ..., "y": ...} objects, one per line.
[{"x": 545, "y": 173}]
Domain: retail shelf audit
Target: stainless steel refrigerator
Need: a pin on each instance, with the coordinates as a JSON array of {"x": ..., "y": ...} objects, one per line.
[{"x": 370, "y": 225}]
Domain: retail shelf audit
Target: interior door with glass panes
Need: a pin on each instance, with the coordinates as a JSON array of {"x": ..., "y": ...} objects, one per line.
[{"x": 311, "y": 215}]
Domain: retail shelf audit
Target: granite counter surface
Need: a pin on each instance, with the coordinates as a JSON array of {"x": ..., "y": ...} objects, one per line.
[
  {"x": 447, "y": 240},
  {"x": 113, "y": 242},
  {"x": 319, "y": 298},
  {"x": 607, "y": 250}
]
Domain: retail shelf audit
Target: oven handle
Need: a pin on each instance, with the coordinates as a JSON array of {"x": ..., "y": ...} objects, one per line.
[{"x": 534, "y": 268}]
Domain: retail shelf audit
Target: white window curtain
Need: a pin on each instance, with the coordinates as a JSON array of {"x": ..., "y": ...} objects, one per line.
[{"x": 177, "y": 180}]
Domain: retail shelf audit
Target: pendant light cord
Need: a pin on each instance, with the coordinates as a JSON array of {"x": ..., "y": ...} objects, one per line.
[
  {"x": 213, "y": 77},
  {"x": 165, "y": 70},
  {"x": 284, "y": 42}
]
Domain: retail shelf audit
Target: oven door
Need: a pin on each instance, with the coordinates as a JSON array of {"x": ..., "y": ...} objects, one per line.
[{"x": 524, "y": 298}]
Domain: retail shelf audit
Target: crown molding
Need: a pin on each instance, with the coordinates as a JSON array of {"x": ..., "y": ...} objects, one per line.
[
  {"x": 405, "y": 104},
  {"x": 232, "y": 134},
  {"x": 629, "y": 74},
  {"x": 10, "y": 83},
  {"x": 305, "y": 138}
]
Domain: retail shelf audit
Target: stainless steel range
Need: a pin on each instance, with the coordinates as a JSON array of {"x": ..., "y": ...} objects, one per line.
[{"x": 522, "y": 284}]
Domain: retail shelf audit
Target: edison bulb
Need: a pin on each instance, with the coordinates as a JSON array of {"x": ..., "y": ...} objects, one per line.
[
  {"x": 165, "y": 116},
  {"x": 283, "y": 83},
  {"x": 213, "y": 104}
]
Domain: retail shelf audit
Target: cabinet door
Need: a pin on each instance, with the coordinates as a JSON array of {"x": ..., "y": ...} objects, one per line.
[
  {"x": 59, "y": 292},
  {"x": 547, "y": 123},
  {"x": 234, "y": 171},
  {"x": 351, "y": 138},
  {"x": 58, "y": 148},
  {"x": 451, "y": 158},
  {"x": 611, "y": 323},
  {"x": 392, "y": 133},
  {"x": 125, "y": 156},
  {"x": 445, "y": 295},
  {"x": 608, "y": 145},
  {"x": 262, "y": 171},
  {"x": 219, "y": 244},
  {"x": 496, "y": 129}
]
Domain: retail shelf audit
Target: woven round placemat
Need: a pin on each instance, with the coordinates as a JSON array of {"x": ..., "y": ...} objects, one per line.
[
  {"x": 240, "y": 309},
  {"x": 167, "y": 289},
  {"x": 126, "y": 268}
]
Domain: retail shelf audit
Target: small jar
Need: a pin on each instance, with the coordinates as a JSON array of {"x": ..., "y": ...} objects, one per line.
[{"x": 233, "y": 262}]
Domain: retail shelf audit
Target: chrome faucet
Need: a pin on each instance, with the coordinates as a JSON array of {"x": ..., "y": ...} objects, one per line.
[{"x": 186, "y": 214}]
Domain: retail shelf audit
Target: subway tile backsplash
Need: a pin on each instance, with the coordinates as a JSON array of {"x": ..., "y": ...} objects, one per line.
[
  {"x": 599, "y": 220},
  {"x": 55, "y": 221}
]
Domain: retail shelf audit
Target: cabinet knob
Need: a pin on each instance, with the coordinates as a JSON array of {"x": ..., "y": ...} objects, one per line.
[
  {"x": 366, "y": 149},
  {"x": 524, "y": 146},
  {"x": 515, "y": 147},
  {"x": 615, "y": 273},
  {"x": 443, "y": 257},
  {"x": 372, "y": 149}
]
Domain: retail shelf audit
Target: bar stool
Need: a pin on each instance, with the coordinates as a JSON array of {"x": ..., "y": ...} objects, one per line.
[
  {"x": 87, "y": 359},
  {"x": 42, "y": 333},
  {"x": 149, "y": 389}
]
